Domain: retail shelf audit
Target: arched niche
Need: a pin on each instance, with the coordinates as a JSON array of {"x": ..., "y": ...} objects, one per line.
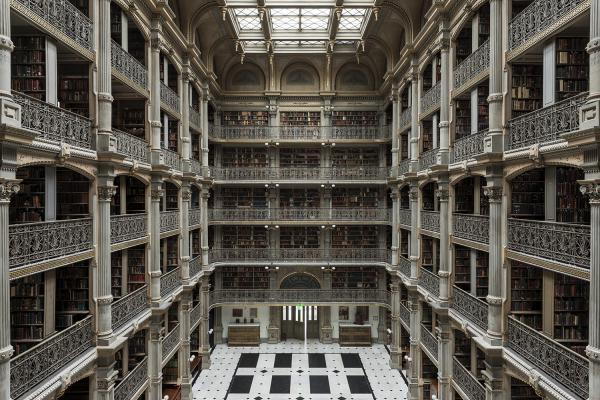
[
  {"x": 246, "y": 77},
  {"x": 354, "y": 77},
  {"x": 300, "y": 77},
  {"x": 300, "y": 281}
]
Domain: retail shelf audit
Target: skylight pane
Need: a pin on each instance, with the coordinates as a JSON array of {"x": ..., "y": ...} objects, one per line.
[
  {"x": 352, "y": 19},
  {"x": 323, "y": 12},
  {"x": 247, "y": 19},
  {"x": 314, "y": 23}
]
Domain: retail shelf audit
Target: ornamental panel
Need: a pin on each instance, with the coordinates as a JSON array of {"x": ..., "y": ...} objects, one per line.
[
  {"x": 131, "y": 146},
  {"x": 126, "y": 65},
  {"x": 170, "y": 342},
  {"x": 195, "y": 266},
  {"x": 474, "y": 65},
  {"x": 129, "y": 307},
  {"x": 128, "y": 227},
  {"x": 169, "y": 97},
  {"x": 172, "y": 159},
  {"x": 405, "y": 120},
  {"x": 430, "y": 220},
  {"x": 471, "y": 308},
  {"x": 132, "y": 382},
  {"x": 429, "y": 341},
  {"x": 195, "y": 316},
  {"x": 169, "y": 220},
  {"x": 405, "y": 217},
  {"x": 430, "y": 282},
  {"x": 195, "y": 119},
  {"x": 195, "y": 216},
  {"x": 427, "y": 159},
  {"x": 471, "y": 227},
  {"x": 404, "y": 314},
  {"x": 169, "y": 282},
  {"x": 468, "y": 147},
  {"x": 464, "y": 380},
  {"x": 431, "y": 99},
  {"x": 404, "y": 266}
]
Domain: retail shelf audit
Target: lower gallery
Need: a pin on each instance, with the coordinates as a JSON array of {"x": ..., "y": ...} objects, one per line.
[{"x": 326, "y": 199}]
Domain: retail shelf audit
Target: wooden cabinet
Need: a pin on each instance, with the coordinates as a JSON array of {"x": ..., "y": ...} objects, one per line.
[
  {"x": 355, "y": 335},
  {"x": 244, "y": 335}
]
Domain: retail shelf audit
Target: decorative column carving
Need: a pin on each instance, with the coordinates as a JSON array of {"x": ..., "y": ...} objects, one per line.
[
  {"x": 442, "y": 334},
  {"x": 155, "y": 122},
  {"x": 156, "y": 196},
  {"x": 444, "y": 99},
  {"x": 186, "y": 197},
  {"x": 205, "y": 129},
  {"x": 184, "y": 350},
  {"x": 444, "y": 270},
  {"x": 104, "y": 296},
  {"x": 589, "y": 116},
  {"x": 8, "y": 187},
  {"x": 204, "y": 196},
  {"x": 394, "y": 127},
  {"x": 185, "y": 116},
  {"x": 413, "y": 195},
  {"x": 10, "y": 112},
  {"x": 155, "y": 358},
  {"x": 414, "y": 362},
  {"x": 204, "y": 339},
  {"x": 395, "y": 347},
  {"x": 414, "y": 111},
  {"x": 494, "y": 193},
  {"x": 493, "y": 142},
  {"x": 103, "y": 61}
]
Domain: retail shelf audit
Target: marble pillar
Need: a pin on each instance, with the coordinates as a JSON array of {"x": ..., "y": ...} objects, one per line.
[
  {"x": 395, "y": 347},
  {"x": 204, "y": 335}
]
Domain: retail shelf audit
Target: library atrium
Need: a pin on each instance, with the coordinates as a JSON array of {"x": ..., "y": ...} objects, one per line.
[{"x": 317, "y": 199}]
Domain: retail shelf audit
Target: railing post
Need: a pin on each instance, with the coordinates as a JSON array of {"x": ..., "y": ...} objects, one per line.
[{"x": 414, "y": 232}]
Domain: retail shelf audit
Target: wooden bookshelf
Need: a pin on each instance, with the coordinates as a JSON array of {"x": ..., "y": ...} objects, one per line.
[
  {"x": 484, "y": 23},
  {"x": 404, "y": 149},
  {"x": 571, "y": 312},
  {"x": 245, "y": 118},
  {"x": 116, "y": 26},
  {"x": 479, "y": 365},
  {"x": 427, "y": 133},
  {"x": 73, "y": 88},
  {"x": 255, "y": 157},
  {"x": 352, "y": 237},
  {"x": 245, "y": 278},
  {"x": 300, "y": 118},
  {"x": 355, "y": 197},
  {"x": 136, "y": 268},
  {"x": 136, "y": 347},
  {"x": 354, "y": 278},
  {"x": 527, "y": 199},
  {"x": 72, "y": 194},
  {"x": 248, "y": 197},
  {"x": 462, "y": 123},
  {"x": 429, "y": 250},
  {"x": 427, "y": 82},
  {"x": 462, "y": 348},
  {"x": 116, "y": 265},
  {"x": 79, "y": 390},
  {"x": 428, "y": 194},
  {"x": 527, "y": 88},
  {"x": 172, "y": 134},
  {"x": 171, "y": 197},
  {"x": 137, "y": 43},
  {"x": 136, "y": 195},
  {"x": 299, "y": 157},
  {"x": 299, "y": 237},
  {"x": 27, "y": 312},
  {"x": 484, "y": 202},
  {"x": 463, "y": 44},
  {"x": 173, "y": 316},
  {"x": 301, "y": 198},
  {"x": 351, "y": 157},
  {"x": 72, "y": 294},
  {"x": 526, "y": 294},
  {"x": 572, "y": 67},
  {"x": 244, "y": 237},
  {"x": 404, "y": 242},
  {"x": 354, "y": 118},
  {"x": 195, "y": 241},
  {"x": 28, "y": 205},
  {"x": 483, "y": 115},
  {"x": 129, "y": 116},
  {"x": 521, "y": 391},
  {"x": 465, "y": 202},
  {"x": 171, "y": 373},
  {"x": 481, "y": 274},
  {"x": 571, "y": 205},
  {"x": 196, "y": 146},
  {"x": 462, "y": 267},
  {"x": 28, "y": 65},
  {"x": 170, "y": 253}
]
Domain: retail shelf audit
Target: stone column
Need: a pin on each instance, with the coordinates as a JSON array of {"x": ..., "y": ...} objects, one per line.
[
  {"x": 104, "y": 297},
  {"x": 186, "y": 145},
  {"x": 414, "y": 111},
  {"x": 395, "y": 347},
  {"x": 414, "y": 231},
  {"x": 154, "y": 75},
  {"x": 444, "y": 125},
  {"x": 445, "y": 358},
  {"x": 8, "y": 187},
  {"x": 155, "y": 358},
  {"x": 204, "y": 343},
  {"x": 394, "y": 127},
  {"x": 205, "y": 128},
  {"x": 184, "y": 349},
  {"x": 156, "y": 196},
  {"x": 443, "y": 270},
  {"x": 10, "y": 111},
  {"x": 493, "y": 142},
  {"x": 414, "y": 362},
  {"x": 273, "y": 328},
  {"x": 326, "y": 328},
  {"x": 103, "y": 62},
  {"x": 186, "y": 198},
  {"x": 204, "y": 195},
  {"x": 395, "y": 196}
]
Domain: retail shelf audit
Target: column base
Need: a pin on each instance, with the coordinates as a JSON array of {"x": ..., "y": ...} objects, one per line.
[
  {"x": 186, "y": 391},
  {"x": 218, "y": 335},
  {"x": 273, "y": 332},
  {"x": 205, "y": 359},
  {"x": 327, "y": 334},
  {"x": 395, "y": 359}
]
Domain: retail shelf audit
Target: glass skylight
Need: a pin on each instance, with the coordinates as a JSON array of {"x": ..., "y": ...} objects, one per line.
[
  {"x": 352, "y": 19},
  {"x": 248, "y": 19},
  {"x": 300, "y": 19}
]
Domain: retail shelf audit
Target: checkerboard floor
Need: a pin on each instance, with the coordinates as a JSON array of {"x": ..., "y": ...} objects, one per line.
[{"x": 291, "y": 371}]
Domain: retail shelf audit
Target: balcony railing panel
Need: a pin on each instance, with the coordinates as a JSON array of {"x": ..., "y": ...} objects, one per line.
[
  {"x": 169, "y": 282},
  {"x": 129, "y": 307},
  {"x": 431, "y": 99},
  {"x": 404, "y": 266},
  {"x": 131, "y": 146},
  {"x": 240, "y": 132},
  {"x": 240, "y": 214},
  {"x": 358, "y": 132},
  {"x": 169, "y": 220},
  {"x": 195, "y": 119},
  {"x": 132, "y": 382},
  {"x": 565, "y": 243},
  {"x": 467, "y": 382},
  {"x": 169, "y": 97},
  {"x": 430, "y": 220},
  {"x": 29, "y": 369},
  {"x": 430, "y": 282},
  {"x": 126, "y": 64},
  {"x": 299, "y": 214},
  {"x": 300, "y": 173},
  {"x": 54, "y": 123},
  {"x": 538, "y": 17},
  {"x": 195, "y": 266},
  {"x": 429, "y": 341},
  {"x": 195, "y": 315},
  {"x": 170, "y": 342},
  {"x": 42, "y": 241},
  {"x": 344, "y": 254},
  {"x": 546, "y": 124},
  {"x": 63, "y": 16},
  {"x": 470, "y": 307},
  {"x": 300, "y": 132},
  {"x": 404, "y": 167},
  {"x": 468, "y": 147},
  {"x": 404, "y": 314},
  {"x": 172, "y": 159},
  {"x": 562, "y": 364},
  {"x": 405, "y": 119},
  {"x": 405, "y": 216},
  {"x": 471, "y": 227},
  {"x": 472, "y": 66},
  {"x": 300, "y": 295},
  {"x": 263, "y": 132},
  {"x": 128, "y": 227},
  {"x": 290, "y": 254},
  {"x": 195, "y": 216},
  {"x": 427, "y": 159}
]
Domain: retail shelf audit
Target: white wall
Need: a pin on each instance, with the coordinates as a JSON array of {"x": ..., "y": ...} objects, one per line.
[{"x": 262, "y": 316}]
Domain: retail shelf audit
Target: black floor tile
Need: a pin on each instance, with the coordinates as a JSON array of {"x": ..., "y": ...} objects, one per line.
[
  {"x": 241, "y": 384},
  {"x": 316, "y": 360},
  {"x": 248, "y": 360},
  {"x": 319, "y": 384},
  {"x": 358, "y": 384},
  {"x": 351, "y": 360},
  {"x": 280, "y": 384},
  {"x": 283, "y": 360}
]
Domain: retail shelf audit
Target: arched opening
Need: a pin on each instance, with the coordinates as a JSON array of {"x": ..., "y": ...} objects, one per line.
[{"x": 300, "y": 321}]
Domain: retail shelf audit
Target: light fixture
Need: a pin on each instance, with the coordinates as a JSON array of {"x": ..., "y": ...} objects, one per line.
[
  {"x": 389, "y": 331},
  {"x": 407, "y": 358},
  {"x": 192, "y": 358},
  {"x": 210, "y": 331}
]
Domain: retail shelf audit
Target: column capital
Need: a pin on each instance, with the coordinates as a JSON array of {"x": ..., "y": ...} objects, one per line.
[
  {"x": 186, "y": 193},
  {"x": 8, "y": 187},
  {"x": 106, "y": 193},
  {"x": 413, "y": 193},
  {"x": 590, "y": 188},
  {"x": 493, "y": 193},
  {"x": 442, "y": 194},
  {"x": 157, "y": 193}
]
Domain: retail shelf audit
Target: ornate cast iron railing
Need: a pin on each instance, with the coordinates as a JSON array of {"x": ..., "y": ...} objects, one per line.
[
  {"x": 195, "y": 266},
  {"x": 469, "y": 146},
  {"x": 197, "y": 167},
  {"x": 300, "y": 295},
  {"x": 300, "y": 173},
  {"x": 132, "y": 382},
  {"x": 536, "y": 18},
  {"x": 429, "y": 341},
  {"x": 471, "y": 227},
  {"x": 131, "y": 146},
  {"x": 405, "y": 216},
  {"x": 431, "y": 98},
  {"x": 29, "y": 369},
  {"x": 562, "y": 364},
  {"x": 467, "y": 382},
  {"x": 195, "y": 119},
  {"x": 169, "y": 282},
  {"x": 299, "y": 214},
  {"x": 264, "y": 132},
  {"x": 126, "y": 65},
  {"x": 195, "y": 216},
  {"x": 472, "y": 66},
  {"x": 129, "y": 307},
  {"x": 170, "y": 342},
  {"x": 470, "y": 307},
  {"x": 405, "y": 119},
  {"x": 566, "y": 243},
  {"x": 430, "y": 282},
  {"x": 169, "y": 220},
  {"x": 403, "y": 167},
  {"x": 430, "y": 220},
  {"x": 299, "y": 132},
  {"x": 54, "y": 123},
  {"x": 358, "y": 132},
  {"x": 195, "y": 315},
  {"x": 240, "y": 132},
  {"x": 128, "y": 227},
  {"x": 404, "y": 314},
  {"x": 41, "y": 241},
  {"x": 169, "y": 97},
  {"x": 427, "y": 159},
  {"x": 546, "y": 124},
  {"x": 63, "y": 16},
  {"x": 284, "y": 255},
  {"x": 404, "y": 266},
  {"x": 172, "y": 159}
]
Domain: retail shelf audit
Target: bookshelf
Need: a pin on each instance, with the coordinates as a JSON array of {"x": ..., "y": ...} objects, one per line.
[
  {"x": 479, "y": 365},
  {"x": 245, "y": 118},
  {"x": 526, "y": 294},
  {"x": 170, "y": 372},
  {"x": 351, "y": 157},
  {"x": 428, "y": 194},
  {"x": 427, "y": 78},
  {"x": 116, "y": 280},
  {"x": 299, "y": 237},
  {"x": 354, "y": 118},
  {"x": 521, "y": 391},
  {"x": 404, "y": 146},
  {"x": 427, "y": 133},
  {"x": 196, "y": 147},
  {"x": 429, "y": 250},
  {"x": 527, "y": 88},
  {"x": 352, "y": 237},
  {"x": 173, "y": 316},
  {"x": 171, "y": 197},
  {"x": 462, "y": 267},
  {"x": 405, "y": 197},
  {"x": 244, "y": 237},
  {"x": 462, "y": 348},
  {"x": 27, "y": 312},
  {"x": 129, "y": 116},
  {"x": 484, "y": 203},
  {"x": 72, "y": 194},
  {"x": 463, "y": 44},
  {"x": 169, "y": 253},
  {"x": 527, "y": 200},
  {"x": 137, "y": 43},
  {"x": 462, "y": 124},
  {"x": 354, "y": 278},
  {"x": 72, "y": 294},
  {"x": 481, "y": 274},
  {"x": 404, "y": 234},
  {"x": 195, "y": 240},
  {"x": 300, "y": 118},
  {"x": 136, "y": 268},
  {"x": 245, "y": 278},
  {"x": 136, "y": 195},
  {"x": 136, "y": 347},
  {"x": 172, "y": 134},
  {"x": 484, "y": 23},
  {"x": 301, "y": 198},
  {"x": 73, "y": 88},
  {"x": 572, "y": 67},
  {"x": 355, "y": 197},
  {"x": 115, "y": 202},
  {"x": 483, "y": 115},
  {"x": 28, "y": 204},
  {"x": 571, "y": 205},
  {"x": 79, "y": 390},
  {"x": 464, "y": 202},
  {"x": 303, "y": 157},
  {"x": 245, "y": 157},
  {"x": 116, "y": 26},
  {"x": 571, "y": 312},
  {"x": 28, "y": 65}
]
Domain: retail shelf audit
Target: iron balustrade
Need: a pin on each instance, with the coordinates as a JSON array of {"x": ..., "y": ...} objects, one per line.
[
  {"x": 169, "y": 221},
  {"x": 170, "y": 281},
  {"x": 431, "y": 98},
  {"x": 197, "y": 167},
  {"x": 299, "y": 173},
  {"x": 405, "y": 120},
  {"x": 468, "y": 146},
  {"x": 404, "y": 167},
  {"x": 430, "y": 282},
  {"x": 169, "y": 97},
  {"x": 170, "y": 342},
  {"x": 466, "y": 382},
  {"x": 404, "y": 314},
  {"x": 546, "y": 124},
  {"x": 470, "y": 307},
  {"x": 29, "y": 369},
  {"x": 404, "y": 266},
  {"x": 430, "y": 220},
  {"x": 195, "y": 266},
  {"x": 473, "y": 66},
  {"x": 63, "y": 16},
  {"x": 131, "y": 146},
  {"x": 43, "y": 241},
  {"x": 378, "y": 215},
  {"x": 129, "y": 307},
  {"x": 405, "y": 217},
  {"x": 300, "y": 255},
  {"x": 195, "y": 119},
  {"x": 321, "y": 296},
  {"x": 471, "y": 227},
  {"x": 172, "y": 159},
  {"x": 132, "y": 382},
  {"x": 128, "y": 66},
  {"x": 254, "y": 132},
  {"x": 128, "y": 227},
  {"x": 53, "y": 123},
  {"x": 195, "y": 216},
  {"x": 267, "y": 132},
  {"x": 428, "y": 159},
  {"x": 299, "y": 132},
  {"x": 429, "y": 341},
  {"x": 538, "y": 18},
  {"x": 560, "y": 363},
  {"x": 358, "y": 132},
  {"x": 561, "y": 242},
  {"x": 195, "y": 316}
]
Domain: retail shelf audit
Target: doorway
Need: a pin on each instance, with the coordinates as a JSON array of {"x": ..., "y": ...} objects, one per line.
[{"x": 296, "y": 320}]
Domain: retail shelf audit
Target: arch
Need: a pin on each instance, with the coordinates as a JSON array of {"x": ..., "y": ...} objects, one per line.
[
  {"x": 300, "y": 76},
  {"x": 245, "y": 77},
  {"x": 136, "y": 18},
  {"x": 91, "y": 176},
  {"x": 352, "y": 76},
  {"x": 465, "y": 18},
  {"x": 142, "y": 178},
  {"x": 459, "y": 178},
  {"x": 299, "y": 280},
  {"x": 519, "y": 171}
]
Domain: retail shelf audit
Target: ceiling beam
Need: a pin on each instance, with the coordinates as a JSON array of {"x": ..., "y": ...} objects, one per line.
[{"x": 335, "y": 21}]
